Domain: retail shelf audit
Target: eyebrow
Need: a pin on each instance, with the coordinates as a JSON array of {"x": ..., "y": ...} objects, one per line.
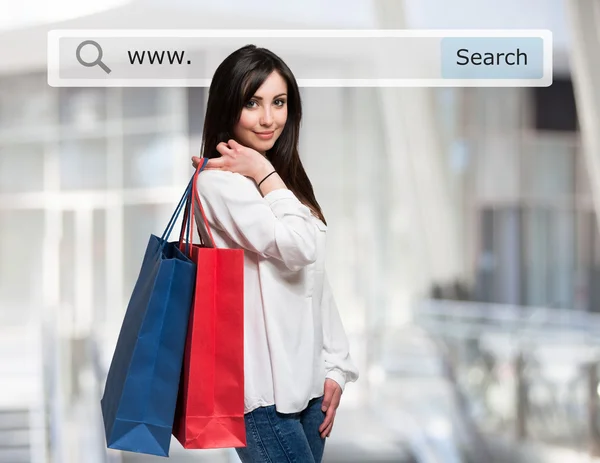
[{"x": 276, "y": 96}]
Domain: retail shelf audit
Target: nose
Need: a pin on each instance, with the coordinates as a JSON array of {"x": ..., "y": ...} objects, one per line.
[{"x": 266, "y": 117}]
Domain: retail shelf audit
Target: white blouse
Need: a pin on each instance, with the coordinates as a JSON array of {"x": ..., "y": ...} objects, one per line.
[{"x": 293, "y": 334}]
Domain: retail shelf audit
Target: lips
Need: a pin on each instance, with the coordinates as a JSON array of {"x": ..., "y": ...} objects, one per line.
[{"x": 264, "y": 135}]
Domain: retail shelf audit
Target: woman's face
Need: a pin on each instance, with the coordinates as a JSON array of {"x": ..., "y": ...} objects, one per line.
[{"x": 263, "y": 117}]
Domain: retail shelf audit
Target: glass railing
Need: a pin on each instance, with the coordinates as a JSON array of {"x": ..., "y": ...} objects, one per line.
[{"x": 529, "y": 374}]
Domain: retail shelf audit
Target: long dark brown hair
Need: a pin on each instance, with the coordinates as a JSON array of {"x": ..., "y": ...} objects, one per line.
[{"x": 234, "y": 83}]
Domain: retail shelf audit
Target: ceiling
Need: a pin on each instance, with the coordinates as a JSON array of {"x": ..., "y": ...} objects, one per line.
[{"x": 24, "y": 48}]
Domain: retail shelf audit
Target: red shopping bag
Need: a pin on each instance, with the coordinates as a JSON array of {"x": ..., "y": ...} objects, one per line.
[{"x": 210, "y": 405}]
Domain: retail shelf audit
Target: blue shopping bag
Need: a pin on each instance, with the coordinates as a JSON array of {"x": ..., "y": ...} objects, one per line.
[{"x": 140, "y": 394}]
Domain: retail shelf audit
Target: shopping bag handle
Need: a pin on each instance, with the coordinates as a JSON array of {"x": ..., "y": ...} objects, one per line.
[
  {"x": 189, "y": 213},
  {"x": 175, "y": 216},
  {"x": 188, "y": 220},
  {"x": 196, "y": 199}
]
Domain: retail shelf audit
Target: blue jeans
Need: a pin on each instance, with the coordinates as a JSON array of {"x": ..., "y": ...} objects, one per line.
[{"x": 275, "y": 437}]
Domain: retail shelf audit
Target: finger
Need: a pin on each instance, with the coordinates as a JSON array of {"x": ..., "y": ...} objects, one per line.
[
  {"x": 234, "y": 144},
  {"x": 328, "y": 419},
  {"x": 215, "y": 163},
  {"x": 224, "y": 149},
  {"x": 325, "y": 422},
  {"x": 327, "y": 431},
  {"x": 324, "y": 425}
]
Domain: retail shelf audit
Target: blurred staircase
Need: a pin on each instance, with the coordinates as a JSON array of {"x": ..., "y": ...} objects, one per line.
[
  {"x": 15, "y": 438},
  {"x": 23, "y": 427}
]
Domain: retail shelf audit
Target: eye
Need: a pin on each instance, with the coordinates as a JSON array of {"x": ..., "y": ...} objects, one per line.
[
  {"x": 279, "y": 102},
  {"x": 249, "y": 104}
]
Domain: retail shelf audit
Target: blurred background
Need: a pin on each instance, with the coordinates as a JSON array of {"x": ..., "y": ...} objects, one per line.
[{"x": 464, "y": 248}]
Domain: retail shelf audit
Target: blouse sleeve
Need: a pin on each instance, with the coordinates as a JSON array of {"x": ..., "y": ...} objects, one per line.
[
  {"x": 338, "y": 363},
  {"x": 277, "y": 225}
]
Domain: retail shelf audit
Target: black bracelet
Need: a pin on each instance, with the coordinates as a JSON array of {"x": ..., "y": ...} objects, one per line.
[{"x": 266, "y": 178}]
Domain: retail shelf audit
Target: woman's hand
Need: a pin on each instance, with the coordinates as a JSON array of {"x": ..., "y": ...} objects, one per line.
[
  {"x": 331, "y": 401},
  {"x": 240, "y": 159}
]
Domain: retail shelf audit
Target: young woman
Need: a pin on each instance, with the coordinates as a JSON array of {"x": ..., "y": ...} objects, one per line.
[{"x": 257, "y": 196}]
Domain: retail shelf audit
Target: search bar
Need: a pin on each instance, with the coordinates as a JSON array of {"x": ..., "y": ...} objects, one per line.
[{"x": 318, "y": 58}]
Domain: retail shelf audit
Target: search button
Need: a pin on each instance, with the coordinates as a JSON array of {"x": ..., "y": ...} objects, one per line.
[
  {"x": 492, "y": 57},
  {"x": 97, "y": 61}
]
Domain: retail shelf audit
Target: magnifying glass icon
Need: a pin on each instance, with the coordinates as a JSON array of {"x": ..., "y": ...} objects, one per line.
[{"x": 97, "y": 61}]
